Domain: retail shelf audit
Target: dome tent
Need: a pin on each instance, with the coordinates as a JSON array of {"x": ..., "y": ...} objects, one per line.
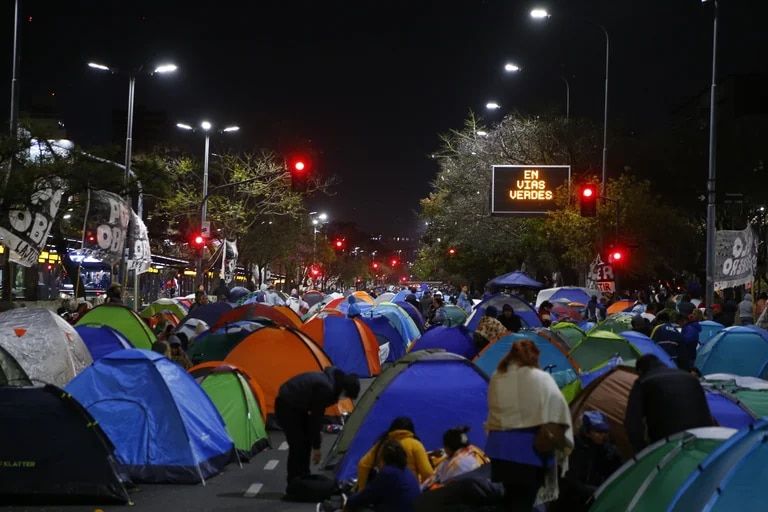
[
  {"x": 350, "y": 344},
  {"x": 122, "y": 319},
  {"x": 456, "y": 339},
  {"x": 102, "y": 340},
  {"x": 738, "y": 350},
  {"x": 163, "y": 425}
]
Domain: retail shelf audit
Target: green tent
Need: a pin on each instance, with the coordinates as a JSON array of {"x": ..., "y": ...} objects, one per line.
[
  {"x": 650, "y": 480},
  {"x": 751, "y": 392},
  {"x": 122, "y": 319},
  {"x": 230, "y": 392},
  {"x": 570, "y": 333},
  {"x": 215, "y": 347},
  {"x": 600, "y": 346},
  {"x": 616, "y": 323},
  {"x": 164, "y": 305},
  {"x": 454, "y": 315}
]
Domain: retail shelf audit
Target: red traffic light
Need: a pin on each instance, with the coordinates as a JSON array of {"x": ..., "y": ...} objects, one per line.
[
  {"x": 587, "y": 192},
  {"x": 338, "y": 244},
  {"x": 375, "y": 266},
  {"x": 315, "y": 271},
  {"x": 199, "y": 240},
  {"x": 617, "y": 256},
  {"x": 451, "y": 251},
  {"x": 299, "y": 165},
  {"x": 393, "y": 262},
  {"x": 588, "y": 201}
]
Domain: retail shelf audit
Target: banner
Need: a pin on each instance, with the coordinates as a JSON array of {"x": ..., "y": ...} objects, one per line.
[
  {"x": 226, "y": 266},
  {"x": 24, "y": 230},
  {"x": 106, "y": 226},
  {"x": 601, "y": 276},
  {"x": 140, "y": 255},
  {"x": 735, "y": 258}
]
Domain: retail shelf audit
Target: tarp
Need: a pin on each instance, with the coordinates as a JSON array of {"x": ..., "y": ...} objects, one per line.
[
  {"x": 122, "y": 319},
  {"x": 164, "y": 427},
  {"x": 102, "y": 340},
  {"x": 53, "y": 452},
  {"x": 47, "y": 348},
  {"x": 731, "y": 478},
  {"x": 650, "y": 480},
  {"x": 738, "y": 350},
  {"x": 273, "y": 355},
  {"x": 457, "y": 340},
  {"x": 516, "y": 279},
  {"x": 229, "y": 390},
  {"x": 255, "y": 311},
  {"x": 524, "y": 310},
  {"x": 349, "y": 342},
  {"x": 437, "y": 390}
]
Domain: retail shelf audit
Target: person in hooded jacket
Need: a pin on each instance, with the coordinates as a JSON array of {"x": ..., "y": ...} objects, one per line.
[
  {"x": 401, "y": 430},
  {"x": 509, "y": 318},
  {"x": 746, "y": 310},
  {"x": 300, "y": 408}
]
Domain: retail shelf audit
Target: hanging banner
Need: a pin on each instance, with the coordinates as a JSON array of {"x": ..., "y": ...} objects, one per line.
[
  {"x": 601, "y": 276},
  {"x": 140, "y": 255},
  {"x": 229, "y": 249},
  {"x": 106, "y": 226},
  {"x": 24, "y": 230},
  {"x": 231, "y": 263},
  {"x": 735, "y": 258}
]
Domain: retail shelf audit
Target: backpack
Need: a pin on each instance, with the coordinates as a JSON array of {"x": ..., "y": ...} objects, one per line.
[{"x": 310, "y": 489}]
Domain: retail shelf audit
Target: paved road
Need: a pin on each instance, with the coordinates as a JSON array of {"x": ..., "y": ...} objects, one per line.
[{"x": 258, "y": 486}]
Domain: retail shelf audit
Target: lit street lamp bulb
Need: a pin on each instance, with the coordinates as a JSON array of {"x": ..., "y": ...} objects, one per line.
[
  {"x": 95, "y": 65},
  {"x": 183, "y": 126},
  {"x": 492, "y": 105},
  {"x": 482, "y": 133},
  {"x": 205, "y": 125},
  {"x": 323, "y": 217},
  {"x": 511, "y": 68},
  {"x": 539, "y": 14},
  {"x": 231, "y": 129},
  {"x": 166, "y": 68}
]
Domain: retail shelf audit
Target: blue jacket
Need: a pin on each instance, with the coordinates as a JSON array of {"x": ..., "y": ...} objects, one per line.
[{"x": 393, "y": 490}]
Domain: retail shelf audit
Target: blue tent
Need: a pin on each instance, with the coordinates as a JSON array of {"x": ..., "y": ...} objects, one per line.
[
  {"x": 516, "y": 279},
  {"x": 437, "y": 390},
  {"x": 347, "y": 342},
  {"x": 709, "y": 329},
  {"x": 398, "y": 317},
  {"x": 732, "y": 477},
  {"x": 737, "y": 350},
  {"x": 102, "y": 340},
  {"x": 646, "y": 345},
  {"x": 457, "y": 340},
  {"x": 728, "y": 411},
  {"x": 385, "y": 333},
  {"x": 414, "y": 313},
  {"x": 163, "y": 425},
  {"x": 401, "y": 295},
  {"x": 524, "y": 310},
  {"x": 550, "y": 356},
  {"x": 572, "y": 294},
  {"x": 208, "y": 313}
]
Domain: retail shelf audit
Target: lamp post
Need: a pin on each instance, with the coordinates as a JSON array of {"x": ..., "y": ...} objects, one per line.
[
  {"x": 318, "y": 219},
  {"x": 709, "y": 291},
  {"x": 510, "y": 67},
  {"x": 542, "y": 14}
]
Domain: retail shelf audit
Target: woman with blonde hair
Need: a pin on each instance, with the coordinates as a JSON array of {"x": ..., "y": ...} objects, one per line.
[{"x": 529, "y": 425}]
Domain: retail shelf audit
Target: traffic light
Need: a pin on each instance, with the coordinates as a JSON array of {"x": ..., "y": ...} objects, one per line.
[
  {"x": 375, "y": 266},
  {"x": 452, "y": 251},
  {"x": 588, "y": 201},
  {"x": 617, "y": 256},
  {"x": 300, "y": 168},
  {"x": 315, "y": 271},
  {"x": 393, "y": 262},
  {"x": 339, "y": 244}
]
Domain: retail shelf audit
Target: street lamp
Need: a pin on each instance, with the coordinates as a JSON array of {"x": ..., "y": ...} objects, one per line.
[
  {"x": 492, "y": 105},
  {"x": 480, "y": 133},
  {"x": 318, "y": 219},
  {"x": 709, "y": 288},
  {"x": 512, "y": 68},
  {"x": 542, "y": 14}
]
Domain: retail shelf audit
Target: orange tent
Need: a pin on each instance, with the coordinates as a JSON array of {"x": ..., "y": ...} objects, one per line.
[
  {"x": 349, "y": 342},
  {"x": 364, "y": 296},
  {"x": 620, "y": 305},
  {"x": 253, "y": 311},
  {"x": 272, "y": 355},
  {"x": 290, "y": 315},
  {"x": 212, "y": 366},
  {"x": 162, "y": 317},
  {"x": 334, "y": 303}
]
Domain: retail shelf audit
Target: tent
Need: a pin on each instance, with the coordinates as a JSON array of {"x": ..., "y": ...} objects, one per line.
[
  {"x": 102, "y": 340},
  {"x": 621, "y": 306},
  {"x": 53, "y": 452},
  {"x": 524, "y": 310},
  {"x": 748, "y": 394},
  {"x": 413, "y": 312},
  {"x": 164, "y": 427},
  {"x": 709, "y": 329},
  {"x": 159, "y": 320},
  {"x": 364, "y": 296},
  {"x": 384, "y": 297},
  {"x": 253, "y": 312},
  {"x": 437, "y": 390},
  {"x": 231, "y": 391},
  {"x": 161, "y": 305},
  {"x": 457, "y": 340},
  {"x": 732, "y": 477},
  {"x": 571, "y": 333},
  {"x": 738, "y": 350},
  {"x": 313, "y": 297},
  {"x": 122, "y": 319},
  {"x": 290, "y": 315},
  {"x": 192, "y": 328},
  {"x": 650, "y": 479},
  {"x": 401, "y": 295},
  {"x": 11, "y": 372},
  {"x": 551, "y": 358},
  {"x": 208, "y": 313},
  {"x": 572, "y": 293},
  {"x": 391, "y": 343},
  {"x": 516, "y": 279},
  {"x": 398, "y": 317},
  {"x": 274, "y": 354},
  {"x": 600, "y": 346},
  {"x": 215, "y": 346},
  {"x": 454, "y": 315},
  {"x": 350, "y": 344},
  {"x": 47, "y": 348},
  {"x": 616, "y": 323}
]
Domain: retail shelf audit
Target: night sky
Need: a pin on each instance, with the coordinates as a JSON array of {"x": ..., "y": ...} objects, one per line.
[{"x": 370, "y": 85}]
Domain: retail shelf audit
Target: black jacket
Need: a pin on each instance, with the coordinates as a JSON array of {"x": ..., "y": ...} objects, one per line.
[
  {"x": 663, "y": 402},
  {"x": 310, "y": 394},
  {"x": 589, "y": 465},
  {"x": 512, "y": 324}
]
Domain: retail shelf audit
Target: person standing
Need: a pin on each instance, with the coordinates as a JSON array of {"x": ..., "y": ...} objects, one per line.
[
  {"x": 463, "y": 301},
  {"x": 300, "y": 408},
  {"x": 746, "y": 310},
  {"x": 529, "y": 424},
  {"x": 115, "y": 294},
  {"x": 662, "y": 402}
]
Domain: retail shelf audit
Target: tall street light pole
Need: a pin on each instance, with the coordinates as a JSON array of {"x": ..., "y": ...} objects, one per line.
[
  {"x": 711, "y": 179},
  {"x": 542, "y": 14}
]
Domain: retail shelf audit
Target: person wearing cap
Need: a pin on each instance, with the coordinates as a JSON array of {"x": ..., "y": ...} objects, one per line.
[
  {"x": 509, "y": 318},
  {"x": 178, "y": 355},
  {"x": 300, "y": 408},
  {"x": 593, "y": 459}
]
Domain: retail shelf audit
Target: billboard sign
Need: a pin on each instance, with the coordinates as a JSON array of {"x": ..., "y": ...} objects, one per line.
[{"x": 526, "y": 190}]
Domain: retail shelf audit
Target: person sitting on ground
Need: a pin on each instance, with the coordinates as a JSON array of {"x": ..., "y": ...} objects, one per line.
[
  {"x": 393, "y": 489},
  {"x": 489, "y": 329},
  {"x": 401, "y": 430},
  {"x": 662, "y": 402},
  {"x": 178, "y": 355},
  {"x": 460, "y": 457},
  {"x": 509, "y": 318},
  {"x": 162, "y": 348},
  {"x": 593, "y": 460}
]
